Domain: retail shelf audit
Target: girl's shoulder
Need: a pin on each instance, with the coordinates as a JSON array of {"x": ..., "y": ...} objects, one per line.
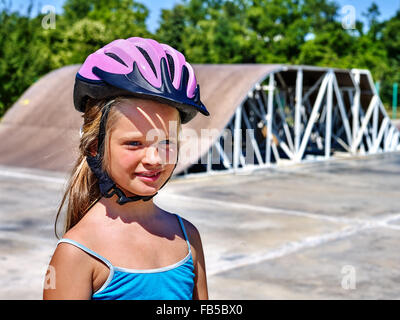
[
  {"x": 190, "y": 228},
  {"x": 87, "y": 230},
  {"x": 193, "y": 235},
  {"x": 78, "y": 235},
  {"x": 70, "y": 257}
]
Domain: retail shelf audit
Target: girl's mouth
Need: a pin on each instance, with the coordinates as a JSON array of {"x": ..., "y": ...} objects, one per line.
[{"x": 149, "y": 176}]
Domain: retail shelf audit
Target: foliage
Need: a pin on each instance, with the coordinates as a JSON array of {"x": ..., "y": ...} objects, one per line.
[
  {"x": 29, "y": 51},
  {"x": 206, "y": 31}
]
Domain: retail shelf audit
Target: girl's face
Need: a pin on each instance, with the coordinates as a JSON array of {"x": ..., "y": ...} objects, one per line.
[{"x": 143, "y": 145}]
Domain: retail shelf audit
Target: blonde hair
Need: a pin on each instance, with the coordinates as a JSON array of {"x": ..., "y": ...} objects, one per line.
[{"x": 82, "y": 190}]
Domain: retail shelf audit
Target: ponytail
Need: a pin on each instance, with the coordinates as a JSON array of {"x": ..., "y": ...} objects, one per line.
[{"x": 82, "y": 192}]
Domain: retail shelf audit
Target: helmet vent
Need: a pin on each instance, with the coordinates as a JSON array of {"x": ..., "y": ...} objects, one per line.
[
  {"x": 171, "y": 66},
  {"x": 115, "y": 57},
  {"x": 150, "y": 62}
]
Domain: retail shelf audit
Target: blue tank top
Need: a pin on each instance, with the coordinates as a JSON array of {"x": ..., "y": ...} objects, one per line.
[{"x": 173, "y": 282}]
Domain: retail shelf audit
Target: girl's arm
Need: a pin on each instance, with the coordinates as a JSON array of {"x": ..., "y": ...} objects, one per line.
[
  {"x": 200, "y": 291},
  {"x": 69, "y": 275}
]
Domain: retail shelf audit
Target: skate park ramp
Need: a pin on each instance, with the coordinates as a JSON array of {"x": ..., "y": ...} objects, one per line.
[{"x": 41, "y": 130}]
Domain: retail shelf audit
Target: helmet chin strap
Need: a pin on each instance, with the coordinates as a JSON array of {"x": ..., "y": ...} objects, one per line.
[{"x": 107, "y": 186}]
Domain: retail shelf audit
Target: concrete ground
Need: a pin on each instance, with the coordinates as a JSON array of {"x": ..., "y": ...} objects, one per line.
[{"x": 328, "y": 230}]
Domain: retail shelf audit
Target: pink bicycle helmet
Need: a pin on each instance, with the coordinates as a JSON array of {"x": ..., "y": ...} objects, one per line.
[{"x": 143, "y": 68}]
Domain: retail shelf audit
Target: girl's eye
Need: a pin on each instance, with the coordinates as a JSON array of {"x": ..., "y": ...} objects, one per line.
[
  {"x": 133, "y": 143},
  {"x": 168, "y": 143}
]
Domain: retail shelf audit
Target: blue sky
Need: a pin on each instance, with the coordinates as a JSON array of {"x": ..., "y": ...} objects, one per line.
[{"x": 386, "y": 7}]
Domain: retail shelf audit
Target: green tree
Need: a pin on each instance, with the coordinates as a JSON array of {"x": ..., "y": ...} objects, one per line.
[
  {"x": 172, "y": 27},
  {"x": 374, "y": 26},
  {"x": 391, "y": 37},
  {"x": 94, "y": 23},
  {"x": 391, "y": 45},
  {"x": 75, "y": 10},
  {"x": 28, "y": 51},
  {"x": 23, "y": 55}
]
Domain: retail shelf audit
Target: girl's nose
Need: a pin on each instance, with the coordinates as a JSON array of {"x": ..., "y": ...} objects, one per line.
[{"x": 152, "y": 156}]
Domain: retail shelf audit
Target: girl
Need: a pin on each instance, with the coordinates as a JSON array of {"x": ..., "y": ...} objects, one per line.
[{"x": 118, "y": 244}]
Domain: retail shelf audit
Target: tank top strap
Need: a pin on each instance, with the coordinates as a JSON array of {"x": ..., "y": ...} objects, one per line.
[
  {"x": 87, "y": 250},
  {"x": 184, "y": 232}
]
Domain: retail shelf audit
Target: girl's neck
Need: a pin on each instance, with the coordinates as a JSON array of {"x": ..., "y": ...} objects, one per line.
[{"x": 137, "y": 211}]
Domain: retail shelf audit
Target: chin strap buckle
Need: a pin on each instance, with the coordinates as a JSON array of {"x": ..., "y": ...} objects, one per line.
[{"x": 122, "y": 198}]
